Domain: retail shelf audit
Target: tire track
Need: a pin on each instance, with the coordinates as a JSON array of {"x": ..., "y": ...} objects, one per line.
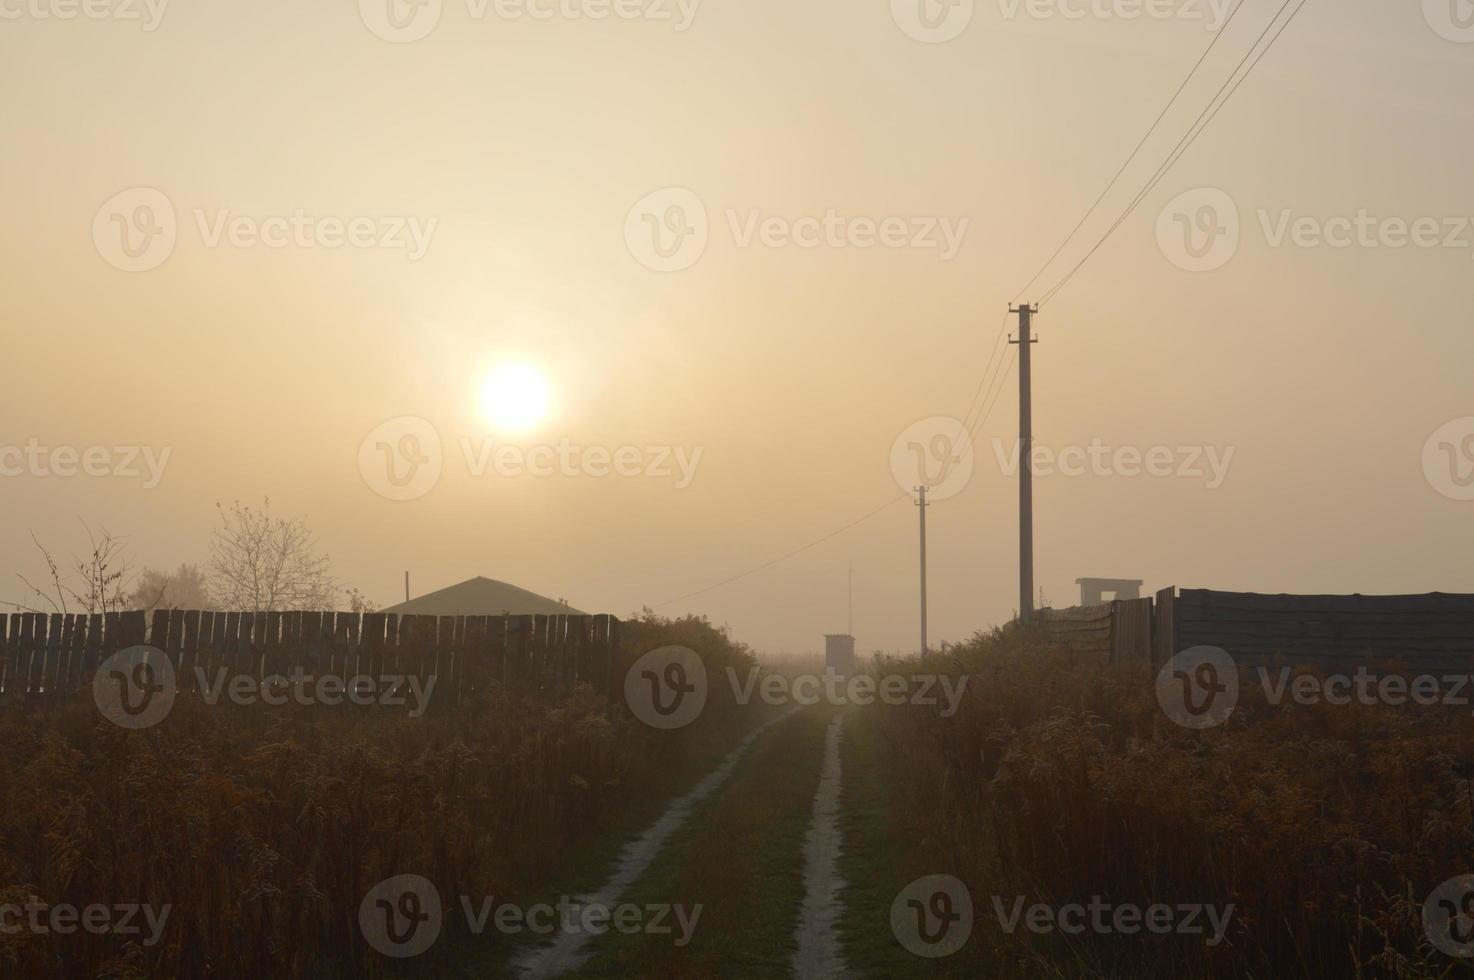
[
  {"x": 819, "y": 956},
  {"x": 570, "y": 950}
]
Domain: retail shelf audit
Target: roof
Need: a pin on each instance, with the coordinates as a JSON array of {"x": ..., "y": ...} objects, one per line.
[{"x": 482, "y": 596}]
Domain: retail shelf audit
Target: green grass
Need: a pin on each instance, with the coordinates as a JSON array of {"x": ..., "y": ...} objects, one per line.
[
  {"x": 739, "y": 857},
  {"x": 582, "y": 870},
  {"x": 874, "y": 860}
]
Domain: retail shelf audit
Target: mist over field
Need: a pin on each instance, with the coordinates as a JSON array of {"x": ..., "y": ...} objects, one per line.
[{"x": 668, "y": 488}]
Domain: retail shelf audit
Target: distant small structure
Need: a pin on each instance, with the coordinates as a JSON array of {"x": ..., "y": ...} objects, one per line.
[
  {"x": 1092, "y": 590},
  {"x": 839, "y": 653}
]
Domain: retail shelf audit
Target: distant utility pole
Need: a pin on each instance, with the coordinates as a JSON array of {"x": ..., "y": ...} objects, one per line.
[
  {"x": 921, "y": 503},
  {"x": 406, "y": 586},
  {"x": 850, "y": 618},
  {"x": 1025, "y": 341}
]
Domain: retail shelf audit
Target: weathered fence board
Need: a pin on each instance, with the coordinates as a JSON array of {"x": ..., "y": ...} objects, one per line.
[
  {"x": 1426, "y": 632},
  {"x": 1084, "y": 630},
  {"x": 1131, "y": 634},
  {"x": 56, "y": 654}
]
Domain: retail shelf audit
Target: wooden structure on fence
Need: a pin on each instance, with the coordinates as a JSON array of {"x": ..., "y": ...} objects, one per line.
[
  {"x": 55, "y": 654},
  {"x": 1429, "y": 632},
  {"x": 1119, "y": 631},
  {"x": 1093, "y": 590}
]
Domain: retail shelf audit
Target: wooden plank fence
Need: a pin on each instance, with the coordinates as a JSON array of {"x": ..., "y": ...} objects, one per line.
[
  {"x": 55, "y": 655},
  {"x": 1433, "y": 632}
]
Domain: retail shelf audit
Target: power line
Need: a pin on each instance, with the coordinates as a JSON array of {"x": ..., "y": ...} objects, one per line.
[
  {"x": 1205, "y": 118},
  {"x": 967, "y": 426},
  {"x": 997, "y": 392},
  {"x": 993, "y": 388},
  {"x": 983, "y": 381},
  {"x": 796, "y": 551},
  {"x": 1152, "y": 129}
]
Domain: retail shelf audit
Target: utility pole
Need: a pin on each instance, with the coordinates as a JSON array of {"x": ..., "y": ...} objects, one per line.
[
  {"x": 921, "y": 503},
  {"x": 406, "y": 586},
  {"x": 1025, "y": 341}
]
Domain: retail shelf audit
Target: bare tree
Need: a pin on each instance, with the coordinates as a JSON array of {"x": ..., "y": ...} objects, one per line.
[
  {"x": 183, "y": 588},
  {"x": 260, "y": 563},
  {"x": 98, "y": 583}
]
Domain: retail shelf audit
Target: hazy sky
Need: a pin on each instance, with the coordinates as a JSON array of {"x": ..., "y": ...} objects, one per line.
[{"x": 518, "y": 146}]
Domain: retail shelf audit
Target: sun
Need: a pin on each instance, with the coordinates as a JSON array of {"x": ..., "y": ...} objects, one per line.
[{"x": 514, "y": 397}]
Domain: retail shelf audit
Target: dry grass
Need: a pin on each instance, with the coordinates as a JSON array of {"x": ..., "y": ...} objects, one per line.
[
  {"x": 264, "y": 828},
  {"x": 1325, "y": 826}
]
